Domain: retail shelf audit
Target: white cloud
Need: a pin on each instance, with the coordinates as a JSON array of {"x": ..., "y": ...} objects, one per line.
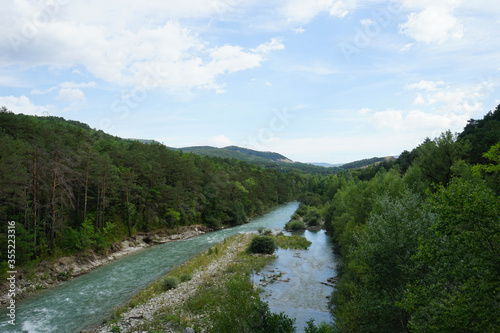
[
  {"x": 343, "y": 149},
  {"x": 71, "y": 95},
  {"x": 75, "y": 96},
  {"x": 22, "y": 104},
  {"x": 419, "y": 100},
  {"x": 426, "y": 85},
  {"x": 435, "y": 24},
  {"x": 407, "y": 47},
  {"x": 338, "y": 8},
  {"x": 402, "y": 121},
  {"x": 219, "y": 141},
  {"x": 441, "y": 107},
  {"x": 301, "y": 12},
  {"x": 299, "y": 30},
  {"x": 466, "y": 100},
  {"x": 124, "y": 48},
  {"x": 392, "y": 119},
  {"x": 64, "y": 85},
  {"x": 366, "y": 22},
  {"x": 274, "y": 44}
]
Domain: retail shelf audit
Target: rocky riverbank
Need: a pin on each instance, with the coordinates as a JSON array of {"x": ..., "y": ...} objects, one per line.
[
  {"x": 134, "y": 318},
  {"x": 49, "y": 273}
]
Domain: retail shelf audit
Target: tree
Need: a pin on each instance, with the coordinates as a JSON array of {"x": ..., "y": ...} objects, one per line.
[
  {"x": 460, "y": 263},
  {"x": 379, "y": 267},
  {"x": 436, "y": 157}
]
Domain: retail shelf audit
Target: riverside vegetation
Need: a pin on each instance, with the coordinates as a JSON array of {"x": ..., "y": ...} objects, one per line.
[
  {"x": 70, "y": 188},
  {"x": 419, "y": 236},
  {"x": 211, "y": 292}
]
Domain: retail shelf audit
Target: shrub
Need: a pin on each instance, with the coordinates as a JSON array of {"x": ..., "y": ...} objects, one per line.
[
  {"x": 170, "y": 282},
  {"x": 302, "y": 210},
  {"x": 312, "y": 218},
  {"x": 185, "y": 277},
  {"x": 264, "y": 231},
  {"x": 262, "y": 244},
  {"x": 295, "y": 225},
  {"x": 321, "y": 328}
]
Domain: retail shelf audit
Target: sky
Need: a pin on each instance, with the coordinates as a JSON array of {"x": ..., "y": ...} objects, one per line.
[{"x": 317, "y": 81}]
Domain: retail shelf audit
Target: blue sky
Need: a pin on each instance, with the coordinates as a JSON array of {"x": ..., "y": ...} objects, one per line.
[{"x": 318, "y": 81}]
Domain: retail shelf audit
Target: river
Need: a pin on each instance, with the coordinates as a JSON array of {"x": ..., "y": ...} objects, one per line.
[
  {"x": 87, "y": 300},
  {"x": 304, "y": 296}
]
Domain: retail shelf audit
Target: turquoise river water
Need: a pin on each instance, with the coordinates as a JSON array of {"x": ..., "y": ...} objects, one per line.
[{"x": 87, "y": 300}]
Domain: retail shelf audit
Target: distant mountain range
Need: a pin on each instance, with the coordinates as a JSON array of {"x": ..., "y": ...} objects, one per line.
[
  {"x": 239, "y": 153},
  {"x": 326, "y": 165},
  {"x": 271, "y": 159}
]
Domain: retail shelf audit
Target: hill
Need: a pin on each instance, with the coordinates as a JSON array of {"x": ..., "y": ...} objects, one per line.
[
  {"x": 70, "y": 188},
  {"x": 268, "y": 160},
  {"x": 366, "y": 162},
  {"x": 239, "y": 153}
]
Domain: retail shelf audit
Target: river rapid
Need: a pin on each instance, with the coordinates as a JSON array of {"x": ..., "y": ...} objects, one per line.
[{"x": 86, "y": 301}]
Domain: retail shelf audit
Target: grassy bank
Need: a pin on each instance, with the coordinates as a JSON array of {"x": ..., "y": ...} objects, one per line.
[{"x": 214, "y": 294}]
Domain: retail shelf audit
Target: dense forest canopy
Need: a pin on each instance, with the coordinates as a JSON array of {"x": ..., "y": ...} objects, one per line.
[
  {"x": 70, "y": 187},
  {"x": 419, "y": 236}
]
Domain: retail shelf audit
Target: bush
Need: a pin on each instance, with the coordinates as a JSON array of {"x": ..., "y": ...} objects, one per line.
[
  {"x": 264, "y": 231},
  {"x": 302, "y": 210},
  {"x": 239, "y": 310},
  {"x": 263, "y": 244},
  {"x": 321, "y": 328},
  {"x": 185, "y": 277},
  {"x": 295, "y": 225},
  {"x": 312, "y": 218},
  {"x": 170, "y": 282}
]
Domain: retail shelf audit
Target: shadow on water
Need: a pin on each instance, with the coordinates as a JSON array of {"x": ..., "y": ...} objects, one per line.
[
  {"x": 89, "y": 299},
  {"x": 298, "y": 291}
]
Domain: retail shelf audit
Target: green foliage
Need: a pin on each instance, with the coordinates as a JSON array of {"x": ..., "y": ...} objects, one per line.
[
  {"x": 313, "y": 217},
  {"x": 362, "y": 163},
  {"x": 74, "y": 188},
  {"x": 292, "y": 242},
  {"x": 302, "y": 210},
  {"x": 170, "y": 282},
  {"x": 4, "y": 267},
  {"x": 185, "y": 277},
  {"x": 263, "y": 244},
  {"x": 238, "y": 310},
  {"x": 459, "y": 262},
  {"x": 295, "y": 225},
  {"x": 352, "y": 205},
  {"x": 264, "y": 231},
  {"x": 115, "y": 329},
  {"x": 321, "y": 328},
  {"x": 481, "y": 134},
  {"x": 379, "y": 266},
  {"x": 436, "y": 157}
]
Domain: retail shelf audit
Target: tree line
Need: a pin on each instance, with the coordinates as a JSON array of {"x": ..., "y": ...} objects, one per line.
[
  {"x": 419, "y": 237},
  {"x": 70, "y": 188}
]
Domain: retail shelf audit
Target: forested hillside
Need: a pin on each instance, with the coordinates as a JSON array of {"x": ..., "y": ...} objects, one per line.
[
  {"x": 268, "y": 160},
  {"x": 419, "y": 237},
  {"x": 69, "y": 187}
]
